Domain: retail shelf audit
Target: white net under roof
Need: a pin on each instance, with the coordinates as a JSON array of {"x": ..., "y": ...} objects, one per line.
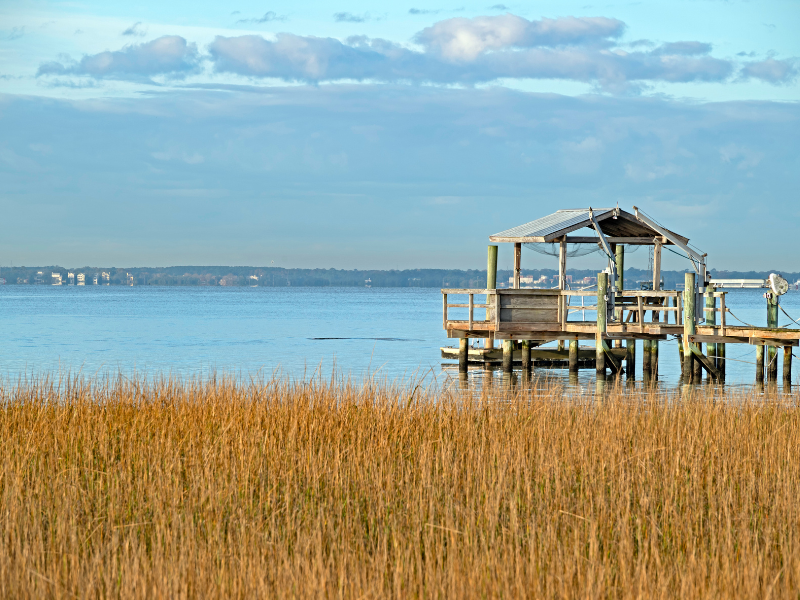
[{"x": 553, "y": 248}]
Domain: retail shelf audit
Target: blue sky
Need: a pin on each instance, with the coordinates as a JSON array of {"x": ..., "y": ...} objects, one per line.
[{"x": 323, "y": 134}]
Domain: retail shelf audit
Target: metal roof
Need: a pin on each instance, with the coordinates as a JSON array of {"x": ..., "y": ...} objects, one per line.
[
  {"x": 555, "y": 225},
  {"x": 562, "y": 222}
]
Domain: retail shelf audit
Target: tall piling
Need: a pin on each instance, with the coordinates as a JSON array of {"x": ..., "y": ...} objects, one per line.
[
  {"x": 656, "y": 318},
  {"x": 772, "y": 321},
  {"x": 689, "y": 326},
  {"x": 573, "y": 356},
  {"x": 526, "y": 357},
  {"x": 760, "y": 364},
  {"x": 508, "y": 356},
  {"x": 602, "y": 299},
  {"x": 787, "y": 365},
  {"x": 630, "y": 359},
  {"x": 619, "y": 259},
  {"x": 711, "y": 319},
  {"x": 463, "y": 355},
  {"x": 491, "y": 284},
  {"x": 697, "y": 368},
  {"x": 646, "y": 356}
]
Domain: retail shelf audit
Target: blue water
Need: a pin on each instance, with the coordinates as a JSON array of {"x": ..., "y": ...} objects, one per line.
[{"x": 195, "y": 331}]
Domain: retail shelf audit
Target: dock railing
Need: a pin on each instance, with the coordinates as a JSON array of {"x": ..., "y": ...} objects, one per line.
[{"x": 554, "y": 306}]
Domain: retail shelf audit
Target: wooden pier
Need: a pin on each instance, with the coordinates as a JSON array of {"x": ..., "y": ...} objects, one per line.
[{"x": 525, "y": 319}]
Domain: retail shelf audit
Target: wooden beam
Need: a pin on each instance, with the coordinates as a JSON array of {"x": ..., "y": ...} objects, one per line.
[
  {"x": 689, "y": 325},
  {"x": 704, "y": 361},
  {"x": 759, "y": 341},
  {"x": 562, "y": 264},
  {"x": 632, "y": 241},
  {"x": 517, "y": 263},
  {"x": 657, "y": 266}
]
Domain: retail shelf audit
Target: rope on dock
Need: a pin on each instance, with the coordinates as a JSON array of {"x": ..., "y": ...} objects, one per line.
[
  {"x": 788, "y": 315},
  {"x": 738, "y": 319}
]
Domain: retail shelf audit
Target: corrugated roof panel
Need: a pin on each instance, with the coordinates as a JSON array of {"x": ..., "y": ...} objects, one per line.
[{"x": 558, "y": 221}]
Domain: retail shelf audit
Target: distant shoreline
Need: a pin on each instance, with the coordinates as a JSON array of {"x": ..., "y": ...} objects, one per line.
[{"x": 245, "y": 276}]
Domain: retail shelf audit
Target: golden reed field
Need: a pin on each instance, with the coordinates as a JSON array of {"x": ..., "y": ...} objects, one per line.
[{"x": 231, "y": 489}]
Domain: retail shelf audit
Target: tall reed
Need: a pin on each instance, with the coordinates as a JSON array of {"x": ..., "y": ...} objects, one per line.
[{"x": 134, "y": 489}]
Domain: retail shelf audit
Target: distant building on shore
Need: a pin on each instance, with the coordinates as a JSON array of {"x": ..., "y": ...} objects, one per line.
[
  {"x": 81, "y": 279},
  {"x": 56, "y": 278}
]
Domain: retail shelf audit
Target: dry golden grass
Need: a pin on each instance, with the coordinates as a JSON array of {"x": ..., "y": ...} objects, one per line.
[{"x": 222, "y": 489}]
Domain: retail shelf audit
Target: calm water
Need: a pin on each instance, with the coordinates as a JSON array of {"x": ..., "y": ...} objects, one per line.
[{"x": 194, "y": 331}]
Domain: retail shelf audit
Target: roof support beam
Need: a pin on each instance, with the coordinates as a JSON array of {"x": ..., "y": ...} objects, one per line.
[{"x": 633, "y": 241}]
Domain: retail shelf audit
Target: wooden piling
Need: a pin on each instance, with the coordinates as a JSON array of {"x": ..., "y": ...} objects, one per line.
[
  {"x": 787, "y": 365},
  {"x": 772, "y": 352},
  {"x": 602, "y": 299},
  {"x": 711, "y": 319},
  {"x": 656, "y": 316},
  {"x": 508, "y": 356},
  {"x": 491, "y": 284},
  {"x": 697, "y": 368},
  {"x": 680, "y": 353},
  {"x": 646, "y": 356},
  {"x": 573, "y": 356},
  {"x": 491, "y": 268},
  {"x": 630, "y": 359},
  {"x": 760, "y": 363},
  {"x": 526, "y": 356},
  {"x": 463, "y": 355},
  {"x": 619, "y": 259},
  {"x": 721, "y": 361},
  {"x": 689, "y": 326}
]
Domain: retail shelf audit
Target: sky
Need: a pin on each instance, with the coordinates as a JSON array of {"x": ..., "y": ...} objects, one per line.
[{"x": 338, "y": 134}]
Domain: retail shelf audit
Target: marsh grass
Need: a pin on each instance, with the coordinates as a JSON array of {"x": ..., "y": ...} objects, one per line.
[{"x": 119, "y": 488}]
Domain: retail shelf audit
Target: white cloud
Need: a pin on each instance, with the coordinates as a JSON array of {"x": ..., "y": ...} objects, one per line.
[{"x": 168, "y": 55}]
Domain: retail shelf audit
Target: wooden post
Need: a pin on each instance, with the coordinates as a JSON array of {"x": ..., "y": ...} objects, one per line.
[
  {"x": 689, "y": 326},
  {"x": 697, "y": 374},
  {"x": 760, "y": 364},
  {"x": 619, "y": 258},
  {"x": 463, "y": 355},
  {"x": 526, "y": 356},
  {"x": 680, "y": 354},
  {"x": 491, "y": 284},
  {"x": 646, "y": 356},
  {"x": 772, "y": 321},
  {"x": 573, "y": 356},
  {"x": 656, "y": 317},
  {"x": 657, "y": 265},
  {"x": 562, "y": 281},
  {"x": 721, "y": 347},
  {"x": 508, "y": 356},
  {"x": 491, "y": 269},
  {"x": 711, "y": 319},
  {"x": 517, "y": 263},
  {"x": 787, "y": 365},
  {"x": 602, "y": 290},
  {"x": 630, "y": 359}
]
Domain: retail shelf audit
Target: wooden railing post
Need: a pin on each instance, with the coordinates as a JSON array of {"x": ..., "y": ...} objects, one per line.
[
  {"x": 471, "y": 309},
  {"x": 491, "y": 284},
  {"x": 711, "y": 319},
  {"x": 602, "y": 291},
  {"x": 689, "y": 325}
]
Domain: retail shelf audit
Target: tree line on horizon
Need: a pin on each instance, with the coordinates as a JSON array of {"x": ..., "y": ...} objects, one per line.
[{"x": 283, "y": 277}]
